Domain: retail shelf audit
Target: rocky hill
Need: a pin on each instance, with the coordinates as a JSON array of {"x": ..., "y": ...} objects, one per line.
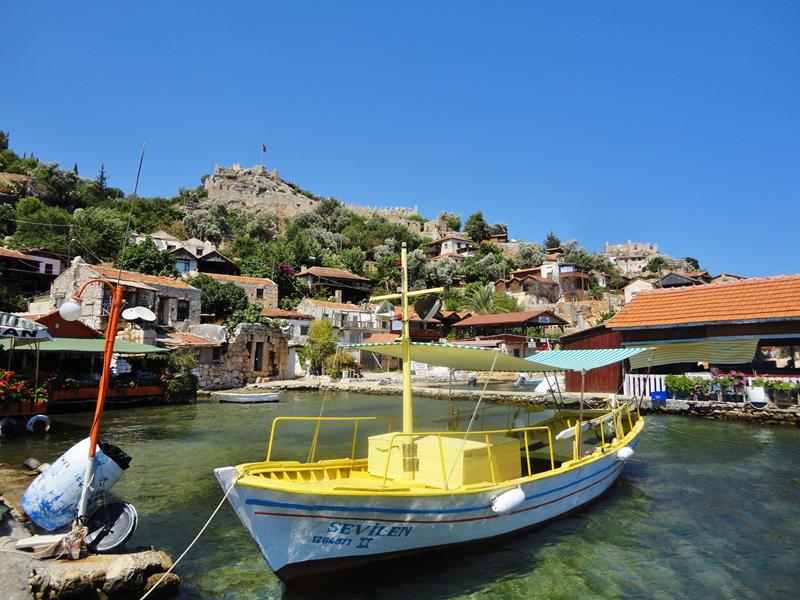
[{"x": 257, "y": 190}]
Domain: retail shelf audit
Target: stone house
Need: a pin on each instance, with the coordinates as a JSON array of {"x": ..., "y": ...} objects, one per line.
[
  {"x": 355, "y": 323},
  {"x": 529, "y": 290},
  {"x": 259, "y": 290},
  {"x": 253, "y": 351},
  {"x": 174, "y": 302},
  {"x": 343, "y": 284},
  {"x": 297, "y": 322},
  {"x": 454, "y": 246}
]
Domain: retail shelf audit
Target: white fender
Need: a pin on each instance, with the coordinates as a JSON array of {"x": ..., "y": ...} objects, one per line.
[
  {"x": 508, "y": 501},
  {"x": 38, "y": 424},
  {"x": 624, "y": 453}
]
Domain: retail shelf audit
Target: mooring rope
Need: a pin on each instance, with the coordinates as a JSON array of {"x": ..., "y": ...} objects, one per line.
[
  {"x": 702, "y": 437},
  {"x": 197, "y": 537}
]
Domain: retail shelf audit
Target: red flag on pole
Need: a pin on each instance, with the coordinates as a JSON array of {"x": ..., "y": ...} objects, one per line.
[{"x": 263, "y": 147}]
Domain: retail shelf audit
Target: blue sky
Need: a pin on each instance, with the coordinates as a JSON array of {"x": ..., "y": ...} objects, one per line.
[{"x": 671, "y": 122}]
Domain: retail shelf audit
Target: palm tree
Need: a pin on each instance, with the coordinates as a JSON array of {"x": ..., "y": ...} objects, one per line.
[{"x": 480, "y": 300}]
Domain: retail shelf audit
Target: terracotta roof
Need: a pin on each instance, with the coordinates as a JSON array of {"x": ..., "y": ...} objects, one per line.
[
  {"x": 13, "y": 254},
  {"x": 279, "y": 313},
  {"x": 527, "y": 317},
  {"x": 746, "y": 300},
  {"x": 112, "y": 273},
  {"x": 186, "y": 339},
  {"x": 382, "y": 338},
  {"x": 336, "y": 305},
  {"x": 240, "y": 278},
  {"x": 331, "y": 272}
]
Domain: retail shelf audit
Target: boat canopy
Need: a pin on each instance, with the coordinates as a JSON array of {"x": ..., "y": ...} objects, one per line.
[
  {"x": 461, "y": 358},
  {"x": 21, "y": 331},
  {"x": 584, "y": 360},
  {"x": 66, "y": 344},
  {"x": 718, "y": 351}
]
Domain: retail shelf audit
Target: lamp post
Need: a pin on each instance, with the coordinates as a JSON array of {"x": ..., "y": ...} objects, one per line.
[{"x": 71, "y": 311}]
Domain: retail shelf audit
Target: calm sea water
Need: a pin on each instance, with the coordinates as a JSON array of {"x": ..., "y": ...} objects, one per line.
[{"x": 690, "y": 517}]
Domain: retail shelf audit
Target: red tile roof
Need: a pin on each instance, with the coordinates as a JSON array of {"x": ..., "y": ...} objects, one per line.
[
  {"x": 12, "y": 254},
  {"x": 240, "y": 278},
  {"x": 332, "y": 273},
  {"x": 112, "y": 273},
  {"x": 746, "y": 300},
  {"x": 382, "y": 338},
  {"x": 511, "y": 319},
  {"x": 279, "y": 313},
  {"x": 186, "y": 339},
  {"x": 335, "y": 305}
]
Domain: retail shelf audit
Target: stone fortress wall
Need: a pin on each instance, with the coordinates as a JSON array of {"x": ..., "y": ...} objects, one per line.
[{"x": 258, "y": 190}]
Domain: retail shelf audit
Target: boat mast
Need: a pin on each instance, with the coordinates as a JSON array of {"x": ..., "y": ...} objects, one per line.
[{"x": 405, "y": 339}]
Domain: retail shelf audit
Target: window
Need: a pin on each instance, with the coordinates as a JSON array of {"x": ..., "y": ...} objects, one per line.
[
  {"x": 259, "y": 293},
  {"x": 48, "y": 268},
  {"x": 183, "y": 310},
  {"x": 182, "y": 265},
  {"x": 303, "y": 329}
]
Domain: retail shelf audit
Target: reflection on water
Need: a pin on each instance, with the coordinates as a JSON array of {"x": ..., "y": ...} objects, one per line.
[{"x": 688, "y": 519}]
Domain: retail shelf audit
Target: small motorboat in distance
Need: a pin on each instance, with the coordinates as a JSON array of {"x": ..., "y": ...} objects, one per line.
[{"x": 248, "y": 397}]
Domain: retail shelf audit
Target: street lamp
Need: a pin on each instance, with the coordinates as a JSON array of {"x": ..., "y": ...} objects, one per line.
[{"x": 71, "y": 311}]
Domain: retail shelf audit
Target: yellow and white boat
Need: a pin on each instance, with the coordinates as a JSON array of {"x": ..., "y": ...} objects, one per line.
[{"x": 415, "y": 491}]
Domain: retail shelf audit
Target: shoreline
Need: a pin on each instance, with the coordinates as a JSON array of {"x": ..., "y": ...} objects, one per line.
[{"x": 729, "y": 411}]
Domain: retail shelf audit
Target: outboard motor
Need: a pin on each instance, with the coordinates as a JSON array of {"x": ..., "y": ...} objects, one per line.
[{"x": 473, "y": 380}]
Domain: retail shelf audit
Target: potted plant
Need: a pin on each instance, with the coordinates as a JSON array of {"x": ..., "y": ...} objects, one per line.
[
  {"x": 755, "y": 391},
  {"x": 723, "y": 384},
  {"x": 681, "y": 386},
  {"x": 780, "y": 391}
]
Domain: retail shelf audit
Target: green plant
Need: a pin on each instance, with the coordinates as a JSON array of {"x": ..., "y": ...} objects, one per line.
[
  {"x": 723, "y": 382},
  {"x": 681, "y": 386},
  {"x": 778, "y": 386},
  {"x": 180, "y": 384},
  {"x": 341, "y": 361},
  {"x": 758, "y": 382},
  {"x": 320, "y": 344}
]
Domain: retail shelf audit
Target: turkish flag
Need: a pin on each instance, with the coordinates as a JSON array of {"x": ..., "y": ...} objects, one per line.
[{"x": 263, "y": 147}]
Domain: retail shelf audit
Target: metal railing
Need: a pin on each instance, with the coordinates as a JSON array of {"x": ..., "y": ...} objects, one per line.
[
  {"x": 460, "y": 434},
  {"x": 313, "y": 452}
]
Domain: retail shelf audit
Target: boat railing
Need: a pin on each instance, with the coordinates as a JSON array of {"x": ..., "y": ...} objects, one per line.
[
  {"x": 485, "y": 434},
  {"x": 315, "y": 440}
]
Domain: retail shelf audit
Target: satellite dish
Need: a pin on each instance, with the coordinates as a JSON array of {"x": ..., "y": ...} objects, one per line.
[
  {"x": 138, "y": 312},
  {"x": 129, "y": 314},
  {"x": 427, "y": 307},
  {"x": 384, "y": 311},
  {"x": 145, "y": 314}
]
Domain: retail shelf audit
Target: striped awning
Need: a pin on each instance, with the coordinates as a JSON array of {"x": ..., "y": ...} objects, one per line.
[
  {"x": 717, "y": 351},
  {"x": 584, "y": 360},
  {"x": 460, "y": 358}
]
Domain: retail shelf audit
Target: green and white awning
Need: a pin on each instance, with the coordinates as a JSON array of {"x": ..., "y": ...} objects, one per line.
[
  {"x": 461, "y": 358},
  {"x": 90, "y": 345},
  {"x": 584, "y": 360},
  {"x": 719, "y": 351}
]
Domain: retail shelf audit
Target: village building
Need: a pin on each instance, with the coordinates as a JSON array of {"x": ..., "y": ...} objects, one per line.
[
  {"x": 633, "y": 288},
  {"x": 452, "y": 246},
  {"x": 509, "y": 343},
  {"x": 25, "y": 273},
  {"x": 354, "y": 323},
  {"x": 344, "y": 285},
  {"x": 297, "y": 322},
  {"x": 726, "y": 277},
  {"x": 529, "y": 290},
  {"x": 259, "y": 290},
  {"x": 751, "y": 325},
  {"x": 173, "y": 301},
  {"x": 211, "y": 262},
  {"x": 528, "y": 323}
]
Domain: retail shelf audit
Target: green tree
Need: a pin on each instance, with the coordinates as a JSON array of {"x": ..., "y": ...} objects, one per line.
[
  {"x": 552, "y": 241},
  {"x": 452, "y": 220},
  {"x": 443, "y": 272},
  {"x": 529, "y": 255},
  {"x": 7, "y": 220},
  {"x": 477, "y": 228},
  {"x": 320, "y": 343},
  {"x": 353, "y": 260},
  {"x": 656, "y": 264},
  {"x": 261, "y": 227},
  {"x": 220, "y": 299},
  {"x": 208, "y": 224},
  {"x": 146, "y": 258},
  {"x": 41, "y": 226},
  {"x": 98, "y": 233},
  {"x": 499, "y": 229},
  {"x": 693, "y": 263},
  {"x": 3, "y": 140}
]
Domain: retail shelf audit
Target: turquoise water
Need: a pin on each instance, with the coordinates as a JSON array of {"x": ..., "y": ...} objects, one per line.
[{"x": 690, "y": 518}]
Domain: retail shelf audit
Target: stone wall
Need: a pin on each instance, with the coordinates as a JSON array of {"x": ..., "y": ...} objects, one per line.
[
  {"x": 258, "y": 190},
  {"x": 237, "y": 367}
]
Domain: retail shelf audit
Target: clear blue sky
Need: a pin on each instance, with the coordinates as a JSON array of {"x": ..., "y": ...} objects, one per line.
[{"x": 672, "y": 122}]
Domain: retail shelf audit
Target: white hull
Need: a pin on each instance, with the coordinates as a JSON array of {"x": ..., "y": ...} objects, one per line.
[
  {"x": 305, "y": 534},
  {"x": 248, "y": 397}
]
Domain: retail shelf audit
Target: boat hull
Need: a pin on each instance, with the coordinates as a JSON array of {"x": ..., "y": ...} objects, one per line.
[
  {"x": 247, "y": 398},
  {"x": 303, "y": 535}
]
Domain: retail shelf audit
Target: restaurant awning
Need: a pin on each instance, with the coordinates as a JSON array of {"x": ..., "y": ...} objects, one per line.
[
  {"x": 585, "y": 360},
  {"x": 90, "y": 345},
  {"x": 716, "y": 351},
  {"x": 16, "y": 330}
]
